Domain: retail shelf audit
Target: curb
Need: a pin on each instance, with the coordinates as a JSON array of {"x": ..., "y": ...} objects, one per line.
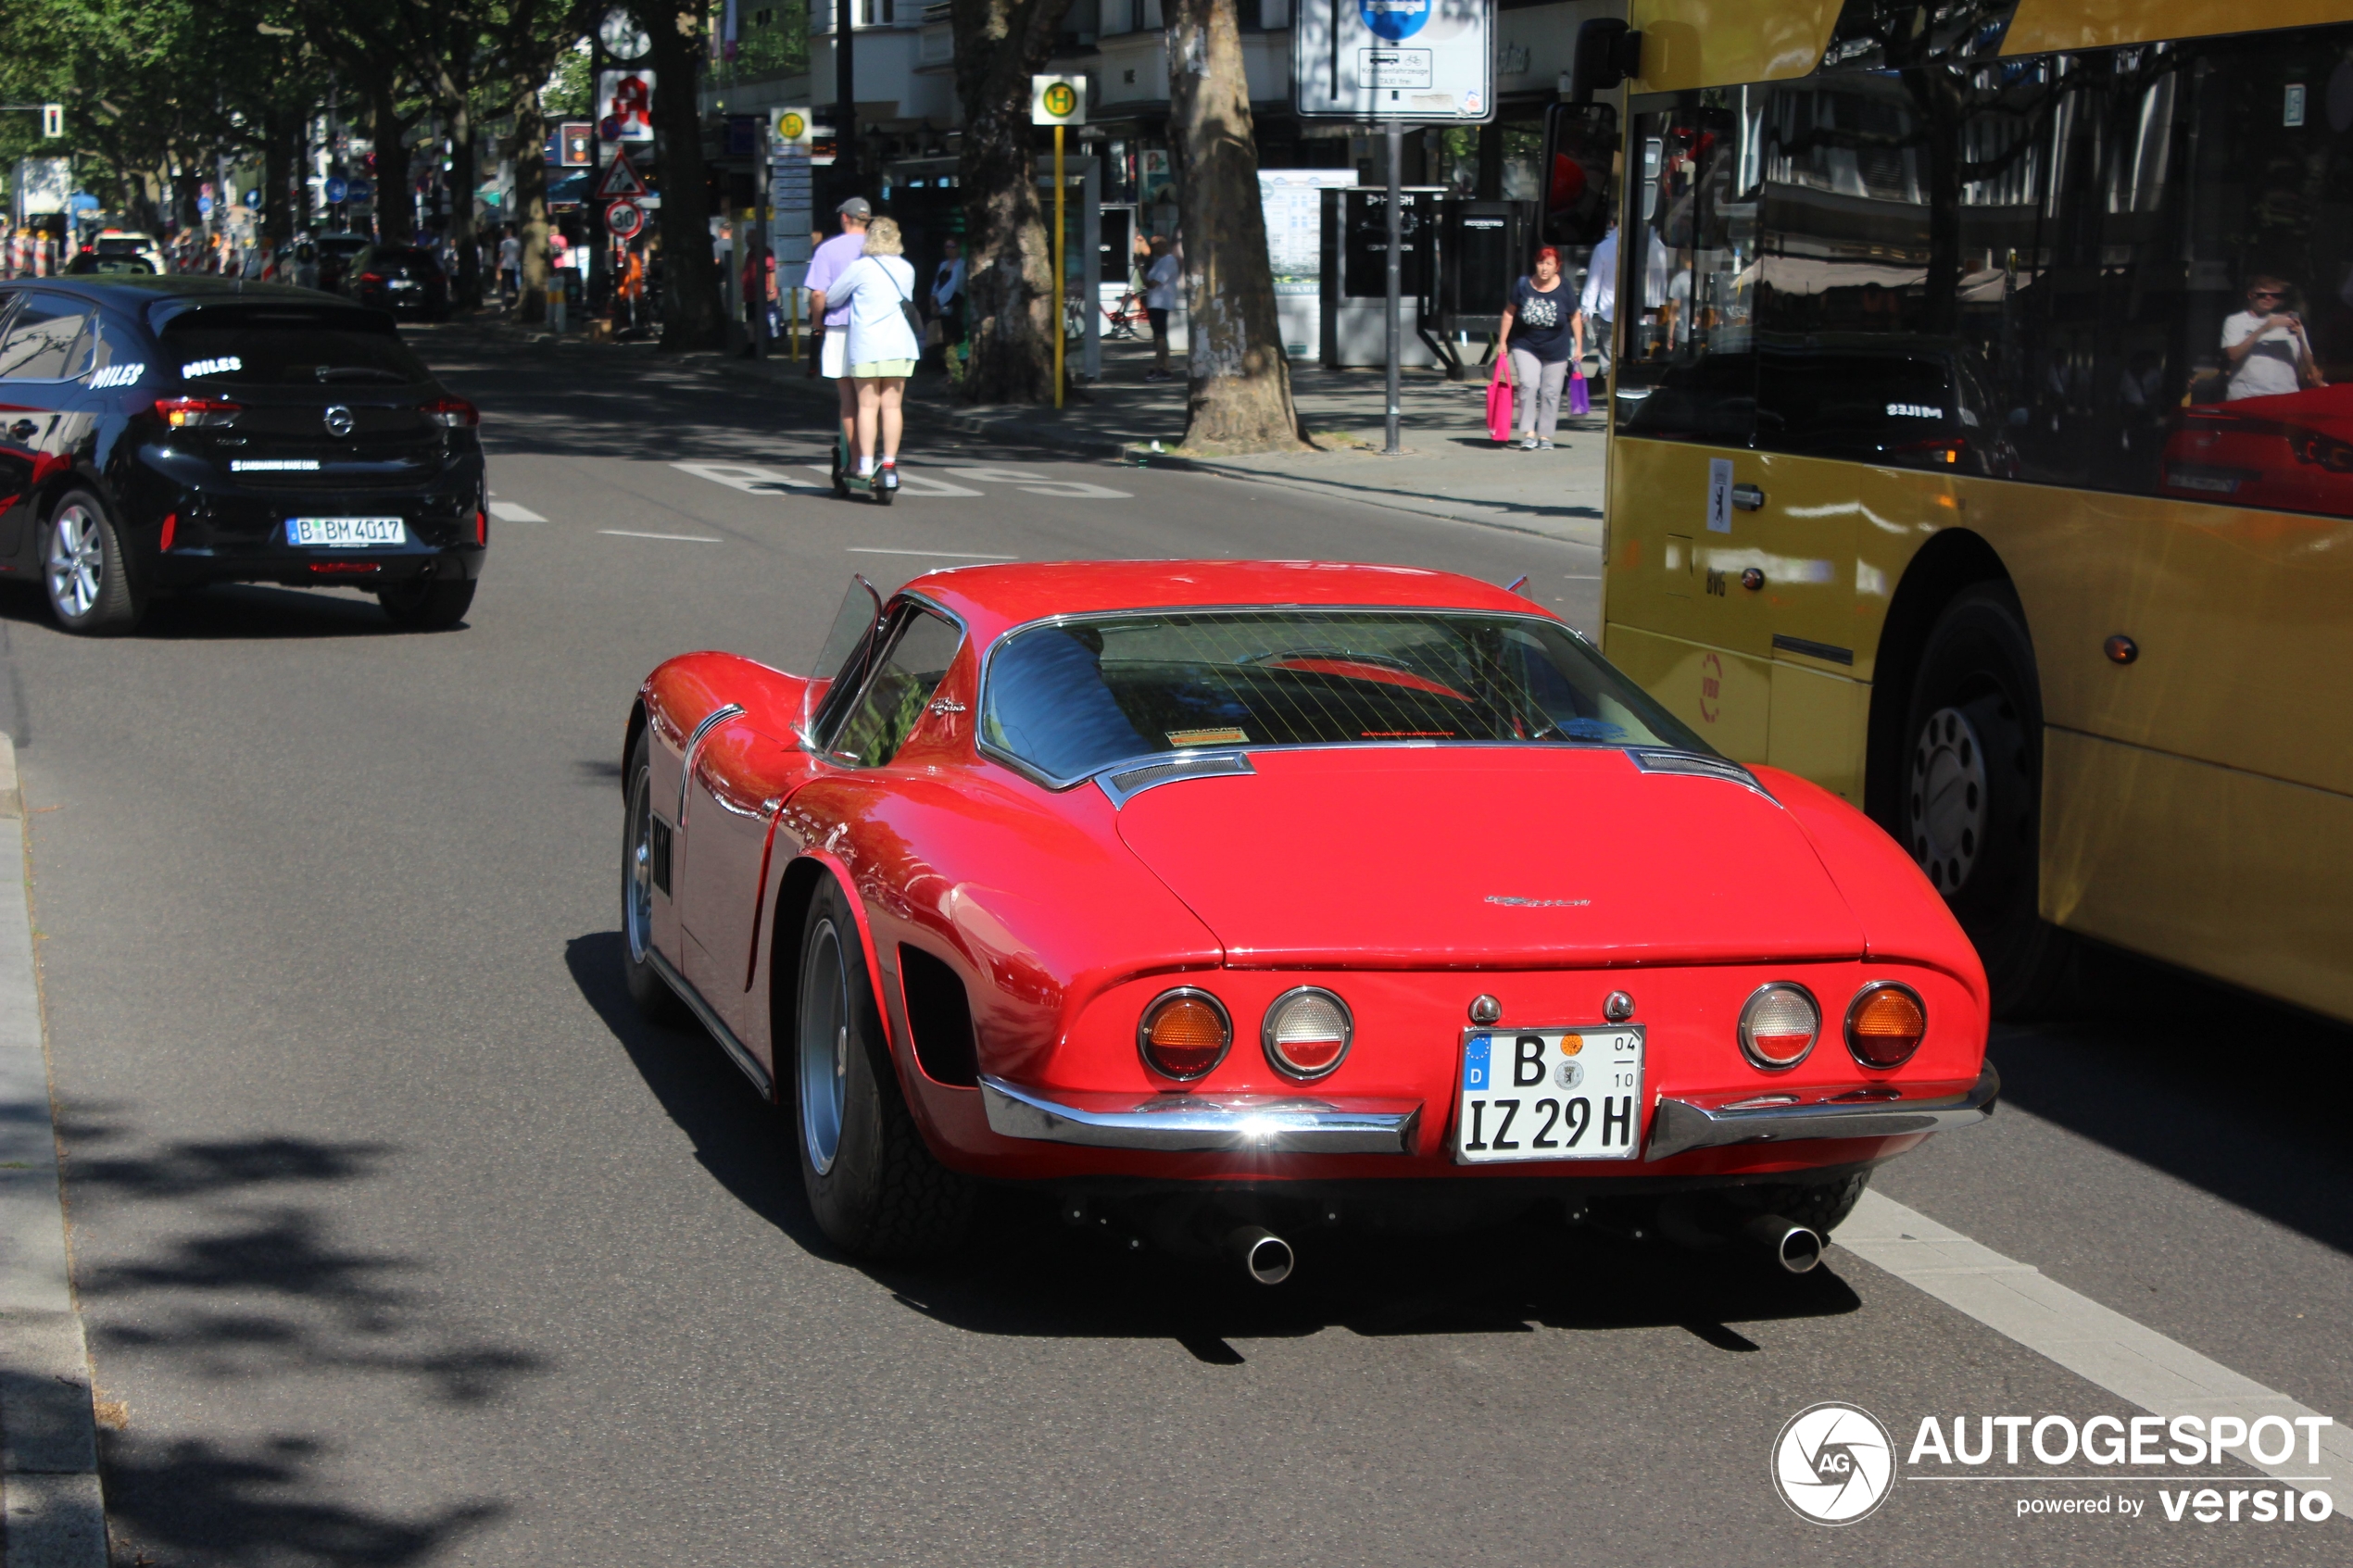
[{"x": 52, "y": 1513}]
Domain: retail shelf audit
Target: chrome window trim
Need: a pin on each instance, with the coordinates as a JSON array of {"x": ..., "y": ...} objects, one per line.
[
  {"x": 1695, "y": 765},
  {"x": 1038, "y": 775},
  {"x": 1678, "y": 1126},
  {"x": 1173, "y": 767},
  {"x": 1189, "y": 1122},
  {"x": 711, "y": 721}
]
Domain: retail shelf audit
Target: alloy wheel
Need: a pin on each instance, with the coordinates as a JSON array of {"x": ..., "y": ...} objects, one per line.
[
  {"x": 76, "y": 562},
  {"x": 823, "y": 1046},
  {"x": 638, "y": 875}
]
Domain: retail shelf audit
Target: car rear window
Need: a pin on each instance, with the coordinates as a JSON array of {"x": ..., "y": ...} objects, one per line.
[
  {"x": 251, "y": 348},
  {"x": 1069, "y": 699}
]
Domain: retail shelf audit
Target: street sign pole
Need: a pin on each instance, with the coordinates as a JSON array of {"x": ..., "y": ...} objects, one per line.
[
  {"x": 1396, "y": 277},
  {"x": 1059, "y": 333}
]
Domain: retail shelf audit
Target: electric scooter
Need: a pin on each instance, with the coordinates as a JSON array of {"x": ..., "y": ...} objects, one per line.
[{"x": 881, "y": 487}]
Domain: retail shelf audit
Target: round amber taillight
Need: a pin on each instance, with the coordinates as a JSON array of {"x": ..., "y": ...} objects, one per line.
[
  {"x": 1885, "y": 1024},
  {"x": 1184, "y": 1034},
  {"x": 1778, "y": 1026},
  {"x": 1306, "y": 1033}
]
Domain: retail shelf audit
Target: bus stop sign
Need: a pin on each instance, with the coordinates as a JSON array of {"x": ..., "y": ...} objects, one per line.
[{"x": 1427, "y": 62}]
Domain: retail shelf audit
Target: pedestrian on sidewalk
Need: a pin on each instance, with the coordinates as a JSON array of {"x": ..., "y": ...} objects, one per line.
[
  {"x": 948, "y": 297},
  {"x": 1598, "y": 305},
  {"x": 1539, "y": 332},
  {"x": 509, "y": 269},
  {"x": 830, "y": 316},
  {"x": 1160, "y": 297},
  {"x": 875, "y": 294}
]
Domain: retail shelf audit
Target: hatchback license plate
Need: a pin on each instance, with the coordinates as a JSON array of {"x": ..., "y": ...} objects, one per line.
[
  {"x": 345, "y": 533},
  {"x": 1551, "y": 1093}
]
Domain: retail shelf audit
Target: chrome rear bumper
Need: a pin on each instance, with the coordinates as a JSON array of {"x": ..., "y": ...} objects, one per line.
[
  {"x": 1678, "y": 1127},
  {"x": 1177, "y": 1122}
]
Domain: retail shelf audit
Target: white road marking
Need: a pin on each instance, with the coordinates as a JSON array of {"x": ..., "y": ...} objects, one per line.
[
  {"x": 1038, "y": 484},
  {"x": 749, "y": 477},
  {"x": 2102, "y": 1346},
  {"x": 680, "y": 538},
  {"x": 912, "y": 484},
  {"x": 509, "y": 511},
  {"x": 934, "y": 555}
]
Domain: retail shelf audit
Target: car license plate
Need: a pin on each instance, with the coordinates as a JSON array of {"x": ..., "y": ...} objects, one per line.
[
  {"x": 1551, "y": 1093},
  {"x": 345, "y": 533}
]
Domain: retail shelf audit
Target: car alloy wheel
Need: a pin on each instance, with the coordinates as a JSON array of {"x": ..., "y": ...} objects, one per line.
[
  {"x": 1946, "y": 798},
  {"x": 825, "y": 1047},
  {"x": 76, "y": 561},
  {"x": 637, "y": 874}
]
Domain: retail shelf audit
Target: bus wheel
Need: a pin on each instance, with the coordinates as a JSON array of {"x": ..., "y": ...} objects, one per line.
[{"x": 1971, "y": 807}]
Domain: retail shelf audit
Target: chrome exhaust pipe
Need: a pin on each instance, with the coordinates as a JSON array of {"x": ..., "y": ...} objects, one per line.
[
  {"x": 1796, "y": 1247},
  {"x": 1266, "y": 1256}
]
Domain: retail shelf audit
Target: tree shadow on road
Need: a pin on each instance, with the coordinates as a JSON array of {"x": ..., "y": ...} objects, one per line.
[
  {"x": 1027, "y": 1275},
  {"x": 2237, "y": 1095},
  {"x": 247, "y": 1289}
]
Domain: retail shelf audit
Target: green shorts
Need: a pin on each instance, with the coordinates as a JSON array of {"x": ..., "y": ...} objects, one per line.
[{"x": 883, "y": 370}]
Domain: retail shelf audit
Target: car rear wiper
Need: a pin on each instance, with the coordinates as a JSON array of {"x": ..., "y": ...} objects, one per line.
[{"x": 360, "y": 372}]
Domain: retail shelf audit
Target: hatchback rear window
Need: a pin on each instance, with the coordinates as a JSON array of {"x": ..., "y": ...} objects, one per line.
[{"x": 287, "y": 349}]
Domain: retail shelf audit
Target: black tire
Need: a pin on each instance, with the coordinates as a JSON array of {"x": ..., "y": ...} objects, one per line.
[
  {"x": 648, "y": 992},
  {"x": 1971, "y": 799},
  {"x": 84, "y": 568},
  {"x": 879, "y": 1193},
  {"x": 884, "y": 494},
  {"x": 428, "y": 604}
]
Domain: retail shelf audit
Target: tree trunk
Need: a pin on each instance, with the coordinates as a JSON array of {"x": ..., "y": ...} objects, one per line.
[
  {"x": 395, "y": 206},
  {"x": 530, "y": 198},
  {"x": 693, "y": 310},
  {"x": 1008, "y": 267},
  {"x": 1239, "y": 396},
  {"x": 460, "y": 182}
]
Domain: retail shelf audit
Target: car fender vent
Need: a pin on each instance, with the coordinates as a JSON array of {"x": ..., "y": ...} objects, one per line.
[
  {"x": 940, "y": 1017},
  {"x": 1125, "y": 784},
  {"x": 1691, "y": 762}
]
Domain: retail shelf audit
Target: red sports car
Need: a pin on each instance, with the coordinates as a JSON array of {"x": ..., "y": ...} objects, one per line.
[{"x": 1228, "y": 901}]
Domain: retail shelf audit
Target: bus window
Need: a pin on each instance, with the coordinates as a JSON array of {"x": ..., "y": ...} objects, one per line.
[{"x": 1689, "y": 371}]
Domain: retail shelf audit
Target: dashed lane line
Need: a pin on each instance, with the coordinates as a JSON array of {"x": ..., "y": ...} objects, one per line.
[
  {"x": 2103, "y": 1347},
  {"x": 511, "y": 511},
  {"x": 675, "y": 538}
]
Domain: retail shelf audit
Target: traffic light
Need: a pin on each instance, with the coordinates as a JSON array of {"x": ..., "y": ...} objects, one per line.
[{"x": 53, "y": 120}]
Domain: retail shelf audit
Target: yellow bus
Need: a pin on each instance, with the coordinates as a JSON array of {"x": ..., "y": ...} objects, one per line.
[{"x": 1983, "y": 450}]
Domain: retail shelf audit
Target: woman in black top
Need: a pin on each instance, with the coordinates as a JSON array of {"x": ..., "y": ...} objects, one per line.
[{"x": 1541, "y": 333}]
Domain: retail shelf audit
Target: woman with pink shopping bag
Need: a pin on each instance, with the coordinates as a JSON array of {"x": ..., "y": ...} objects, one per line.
[
  {"x": 1539, "y": 332},
  {"x": 1498, "y": 404}
]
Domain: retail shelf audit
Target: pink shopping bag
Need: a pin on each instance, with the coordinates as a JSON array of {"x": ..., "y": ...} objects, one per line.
[
  {"x": 1579, "y": 401},
  {"x": 1498, "y": 404}
]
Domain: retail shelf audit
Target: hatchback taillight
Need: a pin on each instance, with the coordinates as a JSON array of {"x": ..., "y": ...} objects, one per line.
[
  {"x": 1885, "y": 1024},
  {"x": 1778, "y": 1026},
  {"x": 1184, "y": 1034},
  {"x": 452, "y": 413},
  {"x": 197, "y": 413}
]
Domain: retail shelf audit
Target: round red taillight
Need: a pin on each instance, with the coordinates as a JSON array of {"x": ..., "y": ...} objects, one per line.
[
  {"x": 1306, "y": 1033},
  {"x": 1885, "y": 1024},
  {"x": 1778, "y": 1026},
  {"x": 1184, "y": 1034}
]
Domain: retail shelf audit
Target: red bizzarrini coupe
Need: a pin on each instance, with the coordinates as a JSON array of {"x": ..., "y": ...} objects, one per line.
[{"x": 1231, "y": 900}]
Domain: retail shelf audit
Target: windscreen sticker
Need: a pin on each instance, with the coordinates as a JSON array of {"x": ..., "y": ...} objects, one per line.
[{"x": 1207, "y": 737}]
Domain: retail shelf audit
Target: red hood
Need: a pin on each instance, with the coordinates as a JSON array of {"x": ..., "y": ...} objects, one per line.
[{"x": 1511, "y": 857}]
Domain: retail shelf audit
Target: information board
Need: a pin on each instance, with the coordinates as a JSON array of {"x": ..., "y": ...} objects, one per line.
[{"x": 1425, "y": 61}]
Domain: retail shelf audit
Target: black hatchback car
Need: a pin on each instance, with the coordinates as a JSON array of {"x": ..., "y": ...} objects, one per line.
[
  {"x": 405, "y": 280},
  {"x": 166, "y": 432}
]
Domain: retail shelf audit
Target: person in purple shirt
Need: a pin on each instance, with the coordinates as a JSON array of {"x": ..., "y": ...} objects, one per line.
[{"x": 829, "y": 262}]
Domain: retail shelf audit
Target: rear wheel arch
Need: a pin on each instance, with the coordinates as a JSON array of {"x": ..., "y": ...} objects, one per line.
[
  {"x": 1954, "y": 561},
  {"x": 790, "y": 912},
  {"x": 629, "y": 740}
]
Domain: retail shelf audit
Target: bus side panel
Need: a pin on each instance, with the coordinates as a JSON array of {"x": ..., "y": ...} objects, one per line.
[
  {"x": 2047, "y": 26},
  {"x": 2216, "y": 870},
  {"x": 1726, "y": 698}
]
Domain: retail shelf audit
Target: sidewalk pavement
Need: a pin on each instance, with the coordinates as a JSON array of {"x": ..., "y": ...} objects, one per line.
[{"x": 1449, "y": 468}]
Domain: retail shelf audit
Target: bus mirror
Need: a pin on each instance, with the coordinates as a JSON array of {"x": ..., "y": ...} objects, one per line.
[{"x": 1607, "y": 54}]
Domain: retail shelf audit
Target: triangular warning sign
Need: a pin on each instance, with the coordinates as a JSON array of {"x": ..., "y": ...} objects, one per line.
[{"x": 620, "y": 178}]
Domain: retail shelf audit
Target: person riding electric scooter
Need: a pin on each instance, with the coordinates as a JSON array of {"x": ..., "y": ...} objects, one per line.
[{"x": 878, "y": 290}]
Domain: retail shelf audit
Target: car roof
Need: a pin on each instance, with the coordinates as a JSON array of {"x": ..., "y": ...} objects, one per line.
[{"x": 992, "y": 599}]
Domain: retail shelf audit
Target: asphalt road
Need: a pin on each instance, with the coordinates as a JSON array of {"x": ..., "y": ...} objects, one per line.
[{"x": 401, "y": 1240}]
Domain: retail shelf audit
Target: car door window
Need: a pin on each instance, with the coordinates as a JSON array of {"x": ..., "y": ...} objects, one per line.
[
  {"x": 49, "y": 340},
  {"x": 887, "y": 711}
]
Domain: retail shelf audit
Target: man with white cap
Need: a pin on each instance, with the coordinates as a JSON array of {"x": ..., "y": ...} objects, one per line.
[{"x": 827, "y": 264}]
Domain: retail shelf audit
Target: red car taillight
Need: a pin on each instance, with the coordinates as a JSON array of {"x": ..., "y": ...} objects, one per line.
[
  {"x": 1306, "y": 1033},
  {"x": 452, "y": 413},
  {"x": 170, "y": 531},
  {"x": 1885, "y": 1024},
  {"x": 197, "y": 413},
  {"x": 1778, "y": 1026},
  {"x": 1184, "y": 1034},
  {"x": 481, "y": 526},
  {"x": 372, "y": 277}
]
